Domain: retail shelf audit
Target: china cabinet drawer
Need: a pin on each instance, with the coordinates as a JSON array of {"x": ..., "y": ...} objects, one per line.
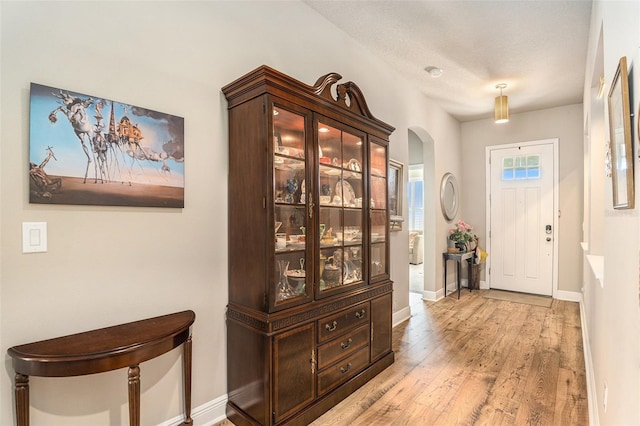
[
  {"x": 335, "y": 325},
  {"x": 342, "y": 371},
  {"x": 342, "y": 346}
]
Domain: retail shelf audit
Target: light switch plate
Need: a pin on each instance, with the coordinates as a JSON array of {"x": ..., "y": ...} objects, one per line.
[{"x": 34, "y": 237}]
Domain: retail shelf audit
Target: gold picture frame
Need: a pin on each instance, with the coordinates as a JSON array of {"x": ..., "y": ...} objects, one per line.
[
  {"x": 396, "y": 177},
  {"x": 620, "y": 133}
]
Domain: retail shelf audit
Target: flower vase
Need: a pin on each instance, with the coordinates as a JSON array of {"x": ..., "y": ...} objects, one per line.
[{"x": 451, "y": 246}]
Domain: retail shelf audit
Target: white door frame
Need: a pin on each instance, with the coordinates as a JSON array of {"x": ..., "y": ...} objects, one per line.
[{"x": 556, "y": 200}]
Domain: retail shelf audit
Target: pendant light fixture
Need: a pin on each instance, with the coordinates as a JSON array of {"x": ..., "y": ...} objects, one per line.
[{"x": 502, "y": 105}]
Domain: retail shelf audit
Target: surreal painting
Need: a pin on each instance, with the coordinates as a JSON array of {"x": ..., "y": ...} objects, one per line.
[{"x": 89, "y": 150}]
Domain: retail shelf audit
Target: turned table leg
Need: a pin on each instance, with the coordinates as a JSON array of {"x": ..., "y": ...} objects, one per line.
[
  {"x": 186, "y": 371},
  {"x": 134, "y": 395},
  {"x": 22, "y": 399}
]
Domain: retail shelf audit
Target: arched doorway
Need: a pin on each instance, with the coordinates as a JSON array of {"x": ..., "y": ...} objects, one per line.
[{"x": 422, "y": 182}]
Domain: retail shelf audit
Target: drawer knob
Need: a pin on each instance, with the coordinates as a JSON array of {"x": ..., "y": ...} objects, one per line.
[
  {"x": 345, "y": 368},
  {"x": 332, "y": 326},
  {"x": 361, "y": 314},
  {"x": 346, "y": 344}
]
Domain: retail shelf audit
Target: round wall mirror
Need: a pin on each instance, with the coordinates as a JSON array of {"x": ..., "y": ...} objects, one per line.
[{"x": 449, "y": 196}]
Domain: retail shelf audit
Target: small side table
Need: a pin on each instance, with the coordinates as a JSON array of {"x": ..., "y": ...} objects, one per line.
[
  {"x": 458, "y": 258},
  {"x": 97, "y": 351}
]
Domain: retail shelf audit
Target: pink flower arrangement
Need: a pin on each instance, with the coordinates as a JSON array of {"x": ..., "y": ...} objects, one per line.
[{"x": 461, "y": 232}]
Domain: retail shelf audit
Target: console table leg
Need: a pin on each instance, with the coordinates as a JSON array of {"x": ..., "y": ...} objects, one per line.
[
  {"x": 134, "y": 395},
  {"x": 444, "y": 279},
  {"x": 458, "y": 277},
  {"x": 186, "y": 370},
  {"x": 22, "y": 399}
]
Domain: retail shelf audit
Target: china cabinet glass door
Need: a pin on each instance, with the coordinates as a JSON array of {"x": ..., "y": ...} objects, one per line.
[
  {"x": 379, "y": 218},
  {"x": 290, "y": 206},
  {"x": 340, "y": 222}
]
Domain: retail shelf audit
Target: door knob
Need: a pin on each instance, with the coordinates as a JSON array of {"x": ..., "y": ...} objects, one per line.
[
  {"x": 547, "y": 229},
  {"x": 548, "y": 239}
]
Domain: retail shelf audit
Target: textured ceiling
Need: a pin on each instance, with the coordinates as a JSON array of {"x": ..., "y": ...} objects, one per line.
[{"x": 538, "y": 48}]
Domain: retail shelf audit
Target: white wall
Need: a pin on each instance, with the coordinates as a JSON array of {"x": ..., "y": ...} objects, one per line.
[
  {"x": 564, "y": 123},
  {"x": 109, "y": 265},
  {"x": 612, "y": 310}
]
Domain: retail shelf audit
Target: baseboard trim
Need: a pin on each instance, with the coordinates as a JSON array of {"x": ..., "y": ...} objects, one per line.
[
  {"x": 592, "y": 396},
  {"x": 203, "y": 415},
  {"x": 401, "y": 316},
  {"x": 432, "y": 296},
  {"x": 569, "y": 296}
]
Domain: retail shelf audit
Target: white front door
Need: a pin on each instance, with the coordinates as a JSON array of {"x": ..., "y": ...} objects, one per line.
[{"x": 521, "y": 217}]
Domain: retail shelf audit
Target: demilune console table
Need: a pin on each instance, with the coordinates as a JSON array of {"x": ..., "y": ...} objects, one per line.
[{"x": 105, "y": 349}]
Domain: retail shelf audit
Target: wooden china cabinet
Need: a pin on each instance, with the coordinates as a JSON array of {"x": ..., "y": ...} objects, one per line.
[{"x": 310, "y": 299}]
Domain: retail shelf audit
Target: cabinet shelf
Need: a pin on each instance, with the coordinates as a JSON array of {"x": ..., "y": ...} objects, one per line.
[
  {"x": 290, "y": 250},
  {"x": 289, "y": 166},
  {"x": 285, "y": 204}
]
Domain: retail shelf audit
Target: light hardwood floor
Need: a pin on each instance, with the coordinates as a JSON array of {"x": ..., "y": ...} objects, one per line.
[{"x": 477, "y": 361}]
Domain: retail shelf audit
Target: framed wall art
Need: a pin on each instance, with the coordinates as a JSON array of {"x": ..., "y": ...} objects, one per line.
[
  {"x": 620, "y": 134},
  {"x": 395, "y": 194},
  {"x": 90, "y": 150}
]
